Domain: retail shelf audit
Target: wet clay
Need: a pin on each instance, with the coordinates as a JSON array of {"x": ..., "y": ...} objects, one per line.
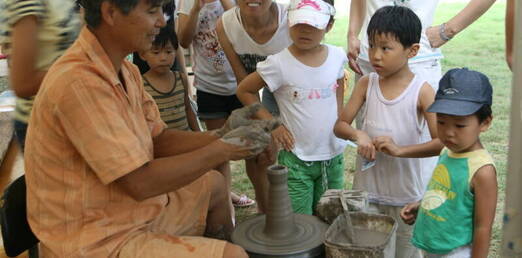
[
  {"x": 281, "y": 233},
  {"x": 362, "y": 237}
]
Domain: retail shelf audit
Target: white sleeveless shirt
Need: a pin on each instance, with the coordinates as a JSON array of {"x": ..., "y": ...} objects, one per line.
[
  {"x": 249, "y": 51},
  {"x": 395, "y": 181}
]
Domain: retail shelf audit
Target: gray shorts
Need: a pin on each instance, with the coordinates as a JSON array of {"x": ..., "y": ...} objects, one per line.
[{"x": 269, "y": 102}]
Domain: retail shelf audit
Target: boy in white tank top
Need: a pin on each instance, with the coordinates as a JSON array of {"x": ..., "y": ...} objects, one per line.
[{"x": 395, "y": 120}]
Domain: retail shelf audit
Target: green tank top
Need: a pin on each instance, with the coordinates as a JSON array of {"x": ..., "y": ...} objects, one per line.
[{"x": 445, "y": 218}]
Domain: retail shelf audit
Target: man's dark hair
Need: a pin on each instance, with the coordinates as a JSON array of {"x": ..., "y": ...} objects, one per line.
[
  {"x": 166, "y": 35},
  {"x": 92, "y": 8},
  {"x": 396, "y": 21},
  {"x": 483, "y": 113}
]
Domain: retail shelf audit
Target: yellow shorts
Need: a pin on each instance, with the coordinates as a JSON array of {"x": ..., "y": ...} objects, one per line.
[{"x": 178, "y": 231}]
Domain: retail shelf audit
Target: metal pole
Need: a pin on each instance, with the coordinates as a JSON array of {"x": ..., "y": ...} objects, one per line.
[{"x": 512, "y": 230}]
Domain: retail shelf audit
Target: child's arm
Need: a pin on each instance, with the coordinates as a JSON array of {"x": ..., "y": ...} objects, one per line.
[
  {"x": 339, "y": 92},
  {"x": 233, "y": 58},
  {"x": 247, "y": 94},
  {"x": 484, "y": 186},
  {"x": 24, "y": 78},
  {"x": 227, "y": 4},
  {"x": 343, "y": 127},
  {"x": 187, "y": 23},
  {"x": 432, "y": 148},
  {"x": 409, "y": 212},
  {"x": 191, "y": 116}
]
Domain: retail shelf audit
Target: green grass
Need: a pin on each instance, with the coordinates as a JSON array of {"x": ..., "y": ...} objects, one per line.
[{"x": 479, "y": 47}]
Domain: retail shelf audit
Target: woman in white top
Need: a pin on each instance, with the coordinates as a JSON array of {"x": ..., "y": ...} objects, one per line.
[{"x": 249, "y": 33}]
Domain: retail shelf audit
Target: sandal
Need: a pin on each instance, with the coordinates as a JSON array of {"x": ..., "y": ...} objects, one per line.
[{"x": 243, "y": 201}]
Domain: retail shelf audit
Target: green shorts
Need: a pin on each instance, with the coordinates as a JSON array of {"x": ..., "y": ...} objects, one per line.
[{"x": 308, "y": 180}]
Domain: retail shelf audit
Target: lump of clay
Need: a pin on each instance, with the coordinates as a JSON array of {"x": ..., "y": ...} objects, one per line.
[{"x": 329, "y": 206}]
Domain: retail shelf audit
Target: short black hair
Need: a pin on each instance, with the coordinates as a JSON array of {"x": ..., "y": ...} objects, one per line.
[
  {"x": 166, "y": 35},
  {"x": 92, "y": 8},
  {"x": 397, "y": 21},
  {"x": 483, "y": 113}
]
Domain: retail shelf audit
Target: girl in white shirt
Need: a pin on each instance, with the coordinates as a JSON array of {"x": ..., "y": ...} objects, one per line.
[{"x": 307, "y": 80}]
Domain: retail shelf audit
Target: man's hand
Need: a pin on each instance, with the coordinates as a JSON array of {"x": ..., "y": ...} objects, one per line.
[
  {"x": 239, "y": 117},
  {"x": 268, "y": 156},
  {"x": 409, "y": 213},
  {"x": 250, "y": 140},
  {"x": 283, "y": 137},
  {"x": 386, "y": 145},
  {"x": 354, "y": 48}
]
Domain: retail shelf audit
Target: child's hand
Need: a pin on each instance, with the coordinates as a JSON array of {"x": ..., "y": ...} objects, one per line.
[
  {"x": 283, "y": 137},
  {"x": 386, "y": 145},
  {"x": 365, "y": 146},
  {"x": 409, "y": 213}
]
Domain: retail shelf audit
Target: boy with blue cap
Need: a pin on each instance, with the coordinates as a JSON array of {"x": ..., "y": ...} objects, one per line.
[{"x": 455, "y": 216}]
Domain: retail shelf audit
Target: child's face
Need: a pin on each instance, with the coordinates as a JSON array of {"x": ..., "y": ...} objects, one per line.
[
  {"x": 461, "y": 133},
  {"x": 160, "y": 59},
  {"x": 306, "y": 37},
  {"x": 388, "y": 55}
]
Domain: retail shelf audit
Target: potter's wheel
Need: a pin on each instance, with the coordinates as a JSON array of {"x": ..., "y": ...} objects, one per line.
[
  {"x": 305, "y": 241},
  {"x": 280, "y": 233}
]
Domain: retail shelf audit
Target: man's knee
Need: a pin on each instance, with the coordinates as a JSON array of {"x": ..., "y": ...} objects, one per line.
[
  {"x": 217, "y": 184},
  {"x": 234, "y": 251}
]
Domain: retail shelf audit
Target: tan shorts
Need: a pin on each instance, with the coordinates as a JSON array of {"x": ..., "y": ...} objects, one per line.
[{"x": 177, "y": 231}]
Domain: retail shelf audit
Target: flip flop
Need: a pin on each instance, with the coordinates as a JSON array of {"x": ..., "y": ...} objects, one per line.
[{"x": 243, "y": 201}]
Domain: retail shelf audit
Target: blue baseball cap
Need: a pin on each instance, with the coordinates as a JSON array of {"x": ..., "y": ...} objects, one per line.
[{"x": 462, "y": 92}]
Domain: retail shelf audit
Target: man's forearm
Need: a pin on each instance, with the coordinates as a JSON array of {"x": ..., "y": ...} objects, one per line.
[
  {"x": 173, "y": 142},
  {"x": 163, "y": 175}
]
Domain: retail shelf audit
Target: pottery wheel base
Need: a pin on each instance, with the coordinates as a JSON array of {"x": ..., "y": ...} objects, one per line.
[{"x": 306, "y": 240}]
